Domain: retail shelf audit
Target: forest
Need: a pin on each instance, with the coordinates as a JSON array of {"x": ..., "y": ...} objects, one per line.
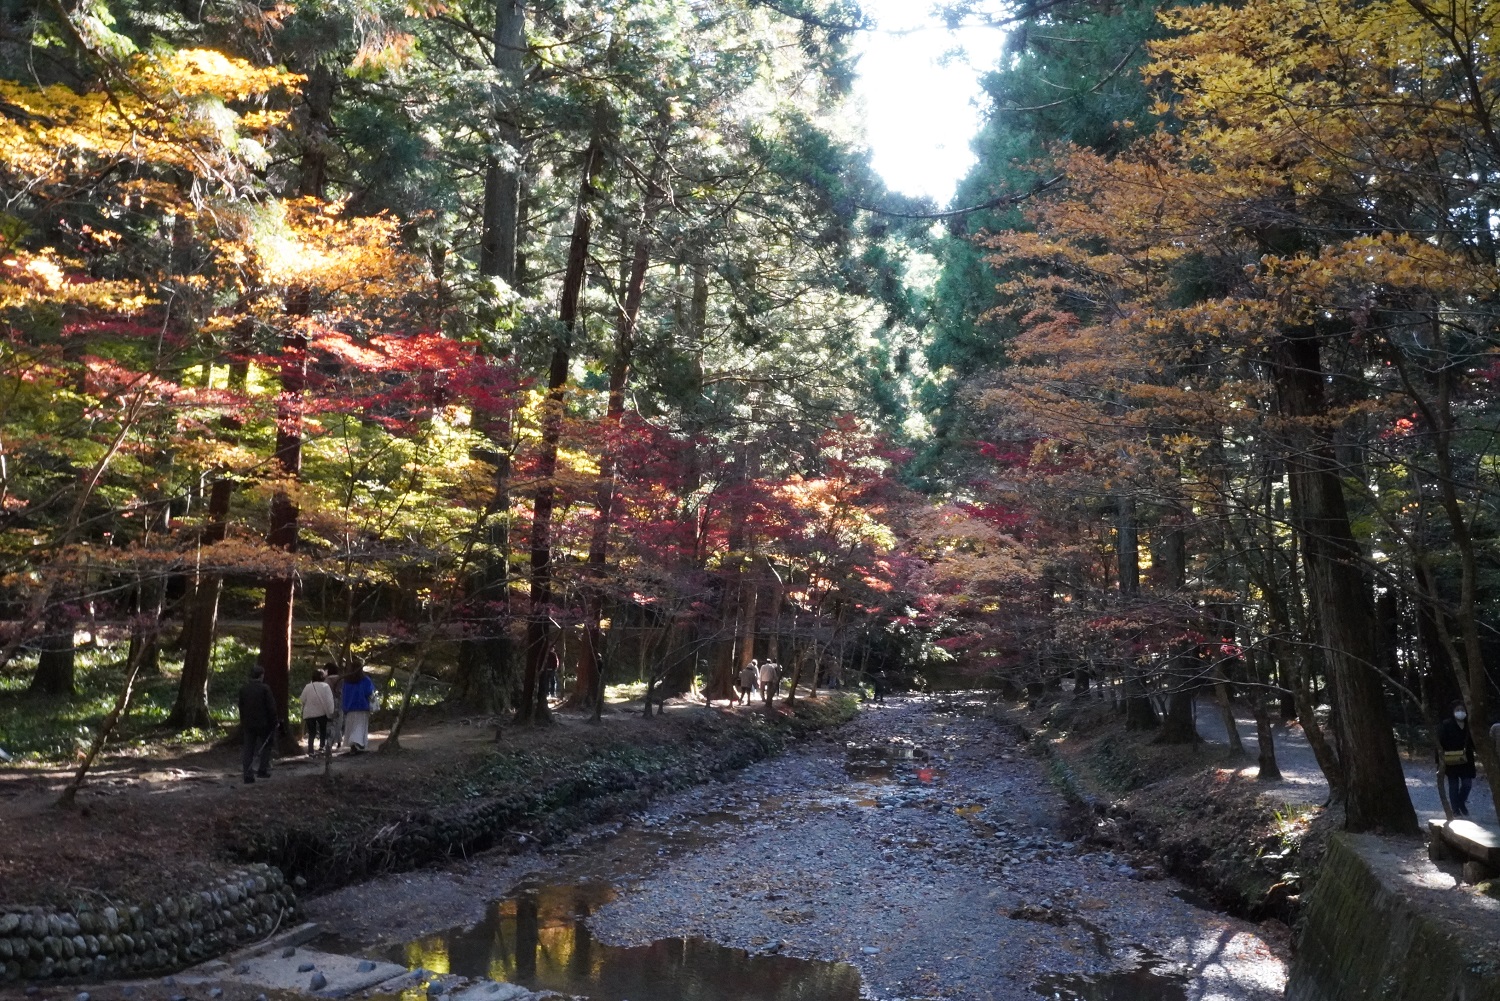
[{"x": 480, "y": 337}]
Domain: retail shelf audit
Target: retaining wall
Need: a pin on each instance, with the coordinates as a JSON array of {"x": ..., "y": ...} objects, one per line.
[
  {"x": 1366, "y": 937},
  {"x": 102, "y": 939}
]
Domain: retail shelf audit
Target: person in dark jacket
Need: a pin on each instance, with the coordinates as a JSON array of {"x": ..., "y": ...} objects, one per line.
[
  {"x": 1456, "y": 755},
  {"x": 258, "y": 725}
]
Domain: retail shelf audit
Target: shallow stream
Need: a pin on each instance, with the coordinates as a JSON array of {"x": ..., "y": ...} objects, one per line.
[{"x": 916, "y": 857}]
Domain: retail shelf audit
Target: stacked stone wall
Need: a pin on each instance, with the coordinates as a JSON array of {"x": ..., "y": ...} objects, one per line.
[{"x": 100, "y": 939}]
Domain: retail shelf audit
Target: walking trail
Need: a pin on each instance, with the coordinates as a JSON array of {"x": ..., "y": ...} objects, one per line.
[{"x": 1303, "y": 782}]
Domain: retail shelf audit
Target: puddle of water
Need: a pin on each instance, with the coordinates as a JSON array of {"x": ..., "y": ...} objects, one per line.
[
  {"x": 1147, "y": 982},
  {"x": 538, "y": 938}
]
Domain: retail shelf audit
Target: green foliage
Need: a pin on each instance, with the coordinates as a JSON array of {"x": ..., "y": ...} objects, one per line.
[{"x": 54, "y": 729}]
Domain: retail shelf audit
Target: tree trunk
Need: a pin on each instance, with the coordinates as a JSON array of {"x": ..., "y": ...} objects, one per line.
[
  {"x": 276, "y": 616},
  {"x": 55, "y": 666},
  {"x": 1140, "y": 714},
  {"x": 190, "y": 710},
  {"x": 1226, "y": 709},
  {"x": 1375, "y": 786},
  {"x": 483, "y": 679},
  {"x": 589, "y": 687},
  {"x": 1179, "y": 726},
  {"x": 1260, "y": 705},
  {"x": 538, "y": 622},
  {"x": 500, "y": 236}
]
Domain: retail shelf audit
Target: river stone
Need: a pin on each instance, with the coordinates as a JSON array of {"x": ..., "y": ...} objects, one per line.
[
  {"x": 258, "y": 884},
  {"x": 9, "y": 923},
  {"x": 74, "y": 966},
  {"x": 81, "y": 946},
  {"x": 12, "y": 971},
  {"x": 304, "y": 967},
  {"x": 111, "y": 919},
  {"x": 318, "y": 982}
]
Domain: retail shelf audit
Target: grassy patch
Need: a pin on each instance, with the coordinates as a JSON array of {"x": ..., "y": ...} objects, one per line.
[{"x": 57, "y": 728}]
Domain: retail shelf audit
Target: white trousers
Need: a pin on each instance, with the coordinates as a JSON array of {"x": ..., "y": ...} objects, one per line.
[{"x": 357, "y": 728}]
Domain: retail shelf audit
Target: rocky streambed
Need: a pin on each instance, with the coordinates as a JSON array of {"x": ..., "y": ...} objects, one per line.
[{"x": 915, "y": 853}]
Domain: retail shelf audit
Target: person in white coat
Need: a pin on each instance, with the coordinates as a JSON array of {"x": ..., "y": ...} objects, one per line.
[
  {"x": 317, "y": 709},
  {"x": 770, "y": 680}
]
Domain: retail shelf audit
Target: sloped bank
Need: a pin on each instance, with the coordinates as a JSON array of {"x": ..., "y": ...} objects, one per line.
[
  {"x": 512, "y": 797},
  {"x": 1377, "y": 927},
  {"x": 1177, "y": 810},
  {"x": 520, "y": 798}
]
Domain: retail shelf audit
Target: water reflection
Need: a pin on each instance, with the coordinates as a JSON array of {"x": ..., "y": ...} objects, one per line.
[
  {"x": 1145, "y": 983},
  {"x": 538, "y": 938}
]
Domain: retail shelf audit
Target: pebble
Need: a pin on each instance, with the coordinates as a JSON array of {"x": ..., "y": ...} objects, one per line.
[
  {"x": 318, "y": 982},
  {"x": 933, "y": 856},
  {"x": 82, "y": 996},
  {"x": 304, "y": 967},
  {"x": 365, "y": 966},
  {"x": 289, "y": 952}
]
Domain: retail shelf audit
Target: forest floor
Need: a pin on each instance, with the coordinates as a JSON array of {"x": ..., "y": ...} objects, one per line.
[{"x": 181, "y": 815}]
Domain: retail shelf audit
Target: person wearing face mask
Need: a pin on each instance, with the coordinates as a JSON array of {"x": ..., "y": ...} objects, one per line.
[{"x": 1456, "y": 750}]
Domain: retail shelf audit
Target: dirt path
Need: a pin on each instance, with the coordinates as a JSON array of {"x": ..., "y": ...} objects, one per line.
[
  {"x": 1303, "y": 781},
  {"x": 921, "y": 846}
]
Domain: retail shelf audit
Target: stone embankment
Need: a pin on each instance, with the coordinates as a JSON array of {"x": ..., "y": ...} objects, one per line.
[
  {"x": 1380, "y": 922},
  {"x": 103, "y": 941}
]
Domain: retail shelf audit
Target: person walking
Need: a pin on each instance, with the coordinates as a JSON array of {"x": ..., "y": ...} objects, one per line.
[
  {"x": 317, "y": 711},
  {"x": 1456, "y": 758},
  {"x": 359, "y": 696},
  {"x": 258, "y": 725},
  {"x": 770, "y": 680},
  {"x": 747, "y": 682},
  {"x": 335, "y": 679}
]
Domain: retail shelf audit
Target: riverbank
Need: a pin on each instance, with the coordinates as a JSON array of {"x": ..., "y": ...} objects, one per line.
[
  {"x": 1195, "y": 811},
  {"x": 181, "y": 822}
]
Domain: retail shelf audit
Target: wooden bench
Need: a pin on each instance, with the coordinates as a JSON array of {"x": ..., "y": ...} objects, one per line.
[{"x": 1478, "y": 846}]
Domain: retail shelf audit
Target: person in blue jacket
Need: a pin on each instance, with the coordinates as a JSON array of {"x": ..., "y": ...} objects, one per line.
[{"x": 358, "y": 700}]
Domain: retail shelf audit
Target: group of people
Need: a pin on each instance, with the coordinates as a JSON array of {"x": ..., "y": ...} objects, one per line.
[
  {"x": 761, "y": 676},
  {"x": 335, "y": 708}
]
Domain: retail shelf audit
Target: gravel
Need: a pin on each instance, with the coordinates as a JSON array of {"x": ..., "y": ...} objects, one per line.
[{"x": 918, "y": 843}]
